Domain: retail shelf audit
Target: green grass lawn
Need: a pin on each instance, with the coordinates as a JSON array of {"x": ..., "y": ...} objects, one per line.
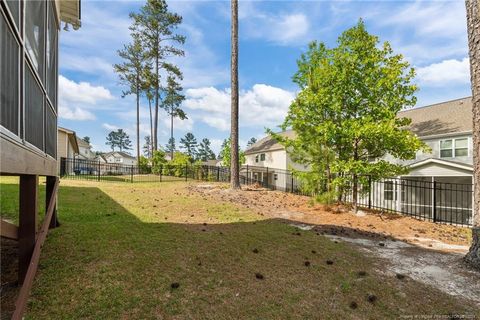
[{"x": 121, "y": 247}]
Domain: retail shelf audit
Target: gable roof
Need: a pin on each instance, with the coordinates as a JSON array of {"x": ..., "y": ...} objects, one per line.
[
  {"x": 448, "y": 117},
  {"x": 269, "y": 144},
  {"x": 72, "y": 137},
  {"x": 121, "y": 153},
  {"x": 83, "y": 143},
  {"x": 442, "y": 118}
]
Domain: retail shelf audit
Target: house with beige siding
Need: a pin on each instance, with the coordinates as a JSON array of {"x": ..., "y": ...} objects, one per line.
[{"x": 67, "y": 146}]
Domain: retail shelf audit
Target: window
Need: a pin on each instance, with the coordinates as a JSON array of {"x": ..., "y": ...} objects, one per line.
[
  {"x": 14, "y": 6},
  {"x": 262, "y": 157},
  {"x": 35, "y": 33},
  {"x": 256, "y": 158},
  {"x": 454, "y": 148},
  {"x": 51, "y": 55},
  {"x": 461, "y": 147},
  {"x": 33, "y": 111},
  {"x": 446, "y": 149},
  {"x": 275, "y": 176},
  {"x": 388, "y": 190},
  {"x": 50, "y": 132},
  {"x": 9, "y": 76}
]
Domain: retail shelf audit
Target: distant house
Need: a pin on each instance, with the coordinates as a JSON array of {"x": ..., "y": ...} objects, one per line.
[
  {"x": 119, "y": 157},
  {"x": 85, "y": 150},
  {"x": 445, "y": 127},
  {"x": 212, "y": 163},
  {"x": 67, "y": 147}
]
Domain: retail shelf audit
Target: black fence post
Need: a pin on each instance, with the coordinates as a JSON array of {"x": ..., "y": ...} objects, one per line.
[
  {"x": 246, "y": 181},
  {"x": 369, "y": 192},
  {"x": 161, "y": 169},
  {"x": 98, "y": 173},
  {"x": 267, "y": 178},
  {"x": 218, "y": 174},
  {"x": 434, "y": 201},
  {"x": 131, "y": 173}
]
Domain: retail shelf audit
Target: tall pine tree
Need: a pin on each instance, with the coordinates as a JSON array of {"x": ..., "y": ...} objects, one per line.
[{"x": 156, "y": 27}]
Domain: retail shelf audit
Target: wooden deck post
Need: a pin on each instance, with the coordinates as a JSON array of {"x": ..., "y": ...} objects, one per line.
[
  {"x": 51, "y": 180},
  {"x": 27, "y": 222}
]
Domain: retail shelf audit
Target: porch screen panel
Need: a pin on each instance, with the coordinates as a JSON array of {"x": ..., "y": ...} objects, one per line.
[
  {"x": 33, "y": 111},
  {"x": 9, "y": 76},
  {"x": 14, "y": 6},
  {"x": 51, "y": 56},
  {"x": 50, "y": 131},
  {"x": 35, "y": 34}
]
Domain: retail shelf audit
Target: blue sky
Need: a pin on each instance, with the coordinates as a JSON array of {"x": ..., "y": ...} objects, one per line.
[{"x": 430, "y": 34}]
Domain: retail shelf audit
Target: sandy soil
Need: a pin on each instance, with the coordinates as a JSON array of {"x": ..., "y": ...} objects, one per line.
[
  {"x": 427, "y": 252},
  {"x": 338, "y": 220}
]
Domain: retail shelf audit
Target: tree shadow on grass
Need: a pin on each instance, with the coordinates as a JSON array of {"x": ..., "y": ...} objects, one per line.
[{"x": 104, "y": 262}]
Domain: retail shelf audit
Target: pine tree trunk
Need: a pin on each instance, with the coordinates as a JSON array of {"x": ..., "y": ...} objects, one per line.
[
  {"x": 473, "y": 28},
  {"x": 234, "y": 165},
  {"x": 171, "y": 136},
  {"x": 138, "y": 121},
  {"x": 155, "y": 123},
  {"x": 151, "y": 127}
]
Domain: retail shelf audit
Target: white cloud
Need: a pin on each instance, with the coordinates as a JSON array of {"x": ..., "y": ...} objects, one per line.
[
  {"x": 74, "y": 99},
  {"x": 110, "y": 127},
  {"x": 263, "y": 105},
  {"x": 75, "y": 113},
  {"x": 445, "y": 73},
  {"x": 81, "y": 92},
  {"x": 284, "y": 29}
]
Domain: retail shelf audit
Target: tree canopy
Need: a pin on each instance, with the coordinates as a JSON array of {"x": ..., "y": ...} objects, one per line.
[
  {"x": 345, "y": 115},
  {"x": 204, "y": 151},
  {"x": 225, "y": 153},
  {"x": 189, "y": 145},
  {"x": 119, "y": 139}
]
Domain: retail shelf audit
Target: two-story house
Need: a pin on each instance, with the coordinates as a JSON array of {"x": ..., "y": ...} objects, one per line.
[
  {"x": 120, "y": 157},
  {"x": 85, "y": 150},
  {"x": 445, "y": 127}
]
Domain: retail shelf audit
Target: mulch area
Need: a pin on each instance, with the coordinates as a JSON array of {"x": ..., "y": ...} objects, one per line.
[{"x": 335, "y": 219}]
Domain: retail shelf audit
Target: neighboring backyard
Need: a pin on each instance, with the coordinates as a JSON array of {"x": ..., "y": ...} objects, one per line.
[{"x": 194, "y": 251}]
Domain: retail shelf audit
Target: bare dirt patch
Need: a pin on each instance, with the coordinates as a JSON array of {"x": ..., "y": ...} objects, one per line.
[
  {"x": 338, "y": 220},
  {"x": 427, "y": 252}
]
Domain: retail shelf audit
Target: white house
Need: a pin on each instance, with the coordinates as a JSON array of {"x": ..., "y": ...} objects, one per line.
[
  {"x": 445, "y": 127},
  {"x": 119, "y": 157},
  {"x": 85, "y": 150}
]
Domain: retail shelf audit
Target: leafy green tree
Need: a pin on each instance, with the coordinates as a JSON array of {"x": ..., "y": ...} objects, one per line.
[
  {"x": 156, "y": 27},
  {"x": 345, "y": 114},
  {"x": 225, "y": 153},
  {"x": 144, "y": 165},
  {"x": 251, "y": 141},
  {"x": 172, "y": 102},
  {"x": 189, "y": 144},
  {"x": 130, "y": 72},
  {"x": 86, "y": 139},
  {"x": 220, "y": 154},
  {"x": 147, "y": 147},
  {"x": 158, "y": 161},
  {"x": 204, "y": 150}
]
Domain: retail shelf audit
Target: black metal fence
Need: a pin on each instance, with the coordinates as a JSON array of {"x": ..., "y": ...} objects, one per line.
[{"x": 435, "y": 201}]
